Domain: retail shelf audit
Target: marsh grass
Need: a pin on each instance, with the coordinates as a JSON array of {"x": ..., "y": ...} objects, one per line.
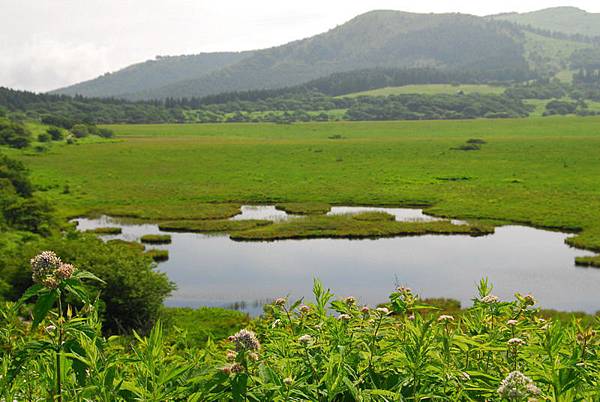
[
  {"x": 588, "y": 261},
  {"x": 203, "y": 323},
  {"x": 304, "y": 208},
  {"x": 346, "y": 226},
  {"x": 130, "y": 244},
  {"x": 158, "y": 255},
  {"x": 156, "y": 239},
  {"x": 105, "y": 231},
  {"x": 189, "y": 210},
  {"x": 208, "y": 226},
  {"x": 384, "y": 163}
]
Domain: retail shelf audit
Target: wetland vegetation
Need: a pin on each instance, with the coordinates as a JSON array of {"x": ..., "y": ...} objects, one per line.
[{"x": 162, "y": 227}]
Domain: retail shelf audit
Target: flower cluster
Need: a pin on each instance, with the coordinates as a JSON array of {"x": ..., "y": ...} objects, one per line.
[
  {"x": 245, "y": 340},
  {"x": 517, "y": 386},
  {"x": 445, "y": 318},
  {"x": 305, "y": 339},
  {"x": 344, "y": 317},
  {"x": 48, "y": 269},
  {"x": 514, "y": 342},
  {"x": 490, "y": 299},
  {"x": 383, "y": 310}
]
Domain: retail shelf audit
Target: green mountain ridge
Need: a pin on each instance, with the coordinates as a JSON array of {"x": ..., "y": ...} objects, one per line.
[
  {"x": 377, "y": 39},
  {"x": 567, "y": 20},
  {"x": 153, "y": 74}
]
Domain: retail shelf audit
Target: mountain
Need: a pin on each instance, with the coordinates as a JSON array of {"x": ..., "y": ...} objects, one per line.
[
  {"x": 152, "y": 74},
  {"x": 378, "y": 39},
  {"x": 567, "y": 20}
]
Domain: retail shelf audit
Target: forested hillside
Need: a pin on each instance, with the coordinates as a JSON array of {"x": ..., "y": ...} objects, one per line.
[
  {"x": 154, "y": 74},
  {"x": 567, "y": 20},
  {"x": 375, "y": 39}
]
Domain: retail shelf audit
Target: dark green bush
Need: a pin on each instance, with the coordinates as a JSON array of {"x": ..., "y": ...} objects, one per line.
[
  {"x": 134, "y": 291},
  {"x": 80, "y": 130},
  {"x": 105, "y": 133},
  {"x": 56, "y": 133},
  {"x": 14, "y": 134},
  {"x": 44, "y": 137}
]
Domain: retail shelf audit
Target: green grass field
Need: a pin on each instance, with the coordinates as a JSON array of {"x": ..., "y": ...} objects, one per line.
[
  {"x": 431, "y": 89},
  {"x": 538, "y": 171}
]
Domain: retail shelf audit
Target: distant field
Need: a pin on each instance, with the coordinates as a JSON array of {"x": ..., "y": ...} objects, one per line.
[
  {"x": 540, "y": 106},
  {"x": 542, "y": 171},
  {"x": 431, "y": 89}
]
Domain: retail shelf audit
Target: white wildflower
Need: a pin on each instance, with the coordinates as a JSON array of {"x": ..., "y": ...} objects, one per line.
[
  {"x": 517, "y": 386},
  {"x": 490, "y": 299},
  {"x": 445, "y": 318}
]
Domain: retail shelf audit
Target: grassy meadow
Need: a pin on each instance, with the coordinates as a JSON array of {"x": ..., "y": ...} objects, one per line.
[
  {"x": 538, "y": 171},
  {"x": 433, "y": 89}
]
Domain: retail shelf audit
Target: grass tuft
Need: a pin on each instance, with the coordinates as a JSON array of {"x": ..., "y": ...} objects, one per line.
[
  {"x": 207, "y": 226},
  {"x": 130, "y": 244},
  {"x": 588, "y": 261},
  {"x": 105, "y": 231},
  {"x": 156, "y": 239},
  {"x": 346, "y": 226},
  {"x": 158, "y": 255}
]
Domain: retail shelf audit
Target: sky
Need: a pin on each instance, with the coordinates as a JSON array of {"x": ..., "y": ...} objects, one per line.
[{"x": 47, "y": 44}]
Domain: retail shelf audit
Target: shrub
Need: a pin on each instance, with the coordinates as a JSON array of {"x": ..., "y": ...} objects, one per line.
[
  {"x": 44, "y": 137},
  {"x": 14, "y": 134},
  {"x": 80, "y": 130},
  {"x": 55, "y": 133},
  {"x": 133, "y": 293},
  {"x": 105, "y": 133},
  {"x": 58, "y": 121}
]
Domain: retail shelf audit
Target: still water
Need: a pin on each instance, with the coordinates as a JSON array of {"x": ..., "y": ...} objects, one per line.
[{"x": 212, "y": 270}]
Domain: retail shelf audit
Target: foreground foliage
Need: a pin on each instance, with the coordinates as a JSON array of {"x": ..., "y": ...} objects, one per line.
[{"x": 405, "y": 351}]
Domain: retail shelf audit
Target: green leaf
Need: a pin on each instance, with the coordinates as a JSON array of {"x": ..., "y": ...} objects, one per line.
[
  {"x": 86, "y": 275},
  {"x": 44, "y": 303},
  {"x": 29, "y": 293}
]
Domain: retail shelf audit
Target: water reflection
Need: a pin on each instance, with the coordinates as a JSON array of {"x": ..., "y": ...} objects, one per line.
[{"x": 215, "y": 271}]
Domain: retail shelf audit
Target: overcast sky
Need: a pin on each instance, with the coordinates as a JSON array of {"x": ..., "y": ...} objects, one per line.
[{"x": 46, "y": 44}]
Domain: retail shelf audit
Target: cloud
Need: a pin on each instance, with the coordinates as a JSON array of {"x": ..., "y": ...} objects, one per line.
[
  {"x": 42, "y": 65},
  {"x": 46, "y": 44}
]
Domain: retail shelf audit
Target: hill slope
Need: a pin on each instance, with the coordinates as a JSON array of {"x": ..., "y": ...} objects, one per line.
[
  {"x": 568, "y": 20},
  {"x": 374, "y": 39},
  {"x": 153, "y": 74}
]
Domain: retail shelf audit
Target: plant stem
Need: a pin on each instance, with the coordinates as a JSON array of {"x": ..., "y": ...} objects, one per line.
[{"x": 59, "y": 349}]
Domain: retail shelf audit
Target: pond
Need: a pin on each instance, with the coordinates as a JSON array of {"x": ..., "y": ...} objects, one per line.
[{"x": 212, "y": 270}]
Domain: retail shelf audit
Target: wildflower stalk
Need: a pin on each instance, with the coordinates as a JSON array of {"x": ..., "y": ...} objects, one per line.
[
  {"x": 59, "y": 329},
  {"x": 372, "y": 345}
]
